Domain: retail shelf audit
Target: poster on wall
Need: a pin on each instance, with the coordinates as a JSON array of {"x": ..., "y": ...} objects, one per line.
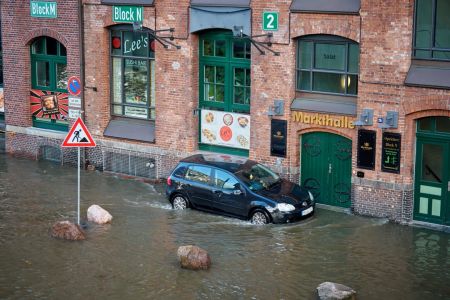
[
  {"x": 225, "y": 129},
  {"x": 390, "y": 152},
  {"x": 2, "y": 102},
  {"x": 366, "y": 149},
  {"x": 278, "y": 134},
  {"x": 49, "y": 105}
]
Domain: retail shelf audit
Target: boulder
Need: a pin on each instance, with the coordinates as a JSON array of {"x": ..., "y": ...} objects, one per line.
[
  {"x": 98, "y": 215},
  {"x": 335, "y": 291},
  {"x": 68, "y": 231},
  {"x": 193, "y": 258}
]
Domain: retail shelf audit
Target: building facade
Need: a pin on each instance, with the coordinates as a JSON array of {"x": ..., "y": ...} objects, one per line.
[{"x": 348, "y": 98}]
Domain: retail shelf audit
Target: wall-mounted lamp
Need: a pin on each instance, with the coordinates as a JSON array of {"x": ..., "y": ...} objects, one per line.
[
  {"x": 391, "y": 120},
  {"x": 366, "y": 118},
  {"x": 277, "y": 109}
]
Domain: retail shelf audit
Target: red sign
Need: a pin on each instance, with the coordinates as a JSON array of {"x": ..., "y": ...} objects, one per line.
[
  {"x": 74, "y": 85},
  {"x": 79, "y": 136}
]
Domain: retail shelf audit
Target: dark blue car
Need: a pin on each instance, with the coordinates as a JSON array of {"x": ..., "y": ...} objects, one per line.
[{"x": 237, "y": 187}]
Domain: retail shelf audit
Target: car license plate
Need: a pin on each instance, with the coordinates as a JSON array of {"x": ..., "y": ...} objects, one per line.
[{"x": 307, "y": 211}]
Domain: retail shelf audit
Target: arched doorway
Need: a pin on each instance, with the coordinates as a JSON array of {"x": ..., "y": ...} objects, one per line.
[
  {"x": 326, "y": 165},
  {"x": 432, "y": 171}
]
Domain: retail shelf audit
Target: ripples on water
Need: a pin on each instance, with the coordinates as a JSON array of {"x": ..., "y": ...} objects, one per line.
[{"x": 135, "y": 256}]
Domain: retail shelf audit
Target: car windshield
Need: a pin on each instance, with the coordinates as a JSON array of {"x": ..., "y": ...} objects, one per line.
[{"x": 258, "y": 177}]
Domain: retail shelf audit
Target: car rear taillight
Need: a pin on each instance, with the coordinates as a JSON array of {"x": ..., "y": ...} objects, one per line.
[{"x": 169, "y": 181}]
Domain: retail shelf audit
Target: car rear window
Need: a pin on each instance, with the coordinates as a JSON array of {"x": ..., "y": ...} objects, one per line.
[
  {"x": 179, "y": 171},
  {"x": 199, "y": 174}
]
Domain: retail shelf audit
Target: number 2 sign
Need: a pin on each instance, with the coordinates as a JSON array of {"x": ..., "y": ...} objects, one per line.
[{"x": 270, "y": 20}]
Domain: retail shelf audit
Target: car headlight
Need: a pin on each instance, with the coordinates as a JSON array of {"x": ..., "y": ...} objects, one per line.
[
  {"x": 284, "y": 207},
  {"x": 311, "y": 196}
]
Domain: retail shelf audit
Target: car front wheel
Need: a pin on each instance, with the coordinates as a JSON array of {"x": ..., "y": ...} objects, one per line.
[
  {"x": 259, "y": 217},
  {"x": 179, "y": 202}
]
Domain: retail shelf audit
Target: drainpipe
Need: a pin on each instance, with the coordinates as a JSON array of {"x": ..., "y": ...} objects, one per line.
[{"x": 81, "y": 54}]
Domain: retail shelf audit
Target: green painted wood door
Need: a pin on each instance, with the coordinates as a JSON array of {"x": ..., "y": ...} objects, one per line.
[
  {"x": 432, "y": 182},
  {"x": 326, "y": 165}
]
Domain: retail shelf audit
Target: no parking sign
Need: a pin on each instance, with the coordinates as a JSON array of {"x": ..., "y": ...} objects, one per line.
[{"x": 74, "y": 86}]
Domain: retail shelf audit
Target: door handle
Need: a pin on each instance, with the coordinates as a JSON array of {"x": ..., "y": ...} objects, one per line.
[
  {"x": 448, "y": 186},
  {"x": 218, "y": 192},
  {"x": 330, "y": 168}
]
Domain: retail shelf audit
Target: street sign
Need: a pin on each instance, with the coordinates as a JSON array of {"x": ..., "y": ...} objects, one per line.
[
  {"x": 43, "y": 9},
  {"x": 74, "y": 86},
  {"x": 74, "y": 102},
  {"x": 128, "y": 14},
  {"x": 74, "y": 113},
  {"x": 79, "y": 136},
  {"x": 270, "y": 20}
]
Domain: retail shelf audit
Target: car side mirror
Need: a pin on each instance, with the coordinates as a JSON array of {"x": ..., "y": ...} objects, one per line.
[{"x": 237, "y": 189}]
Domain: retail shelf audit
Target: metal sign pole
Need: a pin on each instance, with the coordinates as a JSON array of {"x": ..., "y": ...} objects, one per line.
[{"x": 78, "y": 207}]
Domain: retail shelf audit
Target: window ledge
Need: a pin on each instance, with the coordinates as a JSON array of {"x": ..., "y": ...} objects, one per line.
[
  {"x": 131, "y": 129},
  {"x": 325, "y": 104},
  {"x": 48, "y": 133}
]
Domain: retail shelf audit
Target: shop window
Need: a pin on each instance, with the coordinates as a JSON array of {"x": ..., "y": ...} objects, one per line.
[
  {"x": 432, "y": 30},
  {"x": 224, "y": 72},
  {"x": 434, "y": 124},
  {"x": 327, "y": 64},
  {"x": 133, "y": 74},
  {"x": 49, "y": 83}
]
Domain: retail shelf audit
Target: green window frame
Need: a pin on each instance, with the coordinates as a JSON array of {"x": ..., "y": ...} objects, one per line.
[
  {"x": 328, "y": 65},
  {"x": 49, "y": 73},
  {"x": 431, "y": 39},
  {"x": 224, "y": 72},
  {"x": 132, "y": 73}
]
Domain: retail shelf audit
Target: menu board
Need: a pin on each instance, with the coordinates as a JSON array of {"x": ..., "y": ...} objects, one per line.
[
  {"x": 225, "y": 129},
  {"x": 390, "y": 152},
  {"x": 366, "y": 149},
  {"x": 278, "y": 134}
]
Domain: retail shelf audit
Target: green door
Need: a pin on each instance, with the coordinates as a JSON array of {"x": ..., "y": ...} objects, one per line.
[
  {"x": 432, "y": 184},
  {"x": 326, "y": 165}
]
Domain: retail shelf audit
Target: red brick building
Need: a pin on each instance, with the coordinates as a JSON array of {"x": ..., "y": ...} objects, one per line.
[{"x": 349, "y": 98}]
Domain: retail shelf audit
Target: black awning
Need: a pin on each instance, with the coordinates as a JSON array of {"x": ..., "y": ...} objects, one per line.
[
  {"x": 131, "y": 129},
  {"x": 428, "y": 76},
  {"x": 327, "y": 6},
  {"x": 326, "y": 106},
  {"x": 235, "y": 3},
  {"x": 127, "y": 2}
]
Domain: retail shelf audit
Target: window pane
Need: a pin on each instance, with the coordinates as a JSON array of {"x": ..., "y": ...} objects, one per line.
[
  {"x": 116, "y": 42},
  {"x": 247, "y": 77},
  {"x": 39, "y": 46},
  {"x": 209, "y": 92},
  {"x": 61, "y": 76},
  {"x": 208, "y": 48},
  {"x": 443, "y": 124},
  {"x": 424, "y": 23},
  {"x": 220, "y": 75},
  {"x": 151, "y": 48},
  {"x": 225, "y": 181},
  {"x": 248, "y": 51},
  {"x": 304, "y": 80},
  {"x": 135, "y": 81},
  {"x": 152, "y": 83},
  {"x": 220, "y": 93},
  {"x": 52, "y": 46},
  {"x": 239, "y": 95},
  {"x": 135, "y": 44},
  {"x": 117, "y": 80},
  {"x": 247, "y": 96},
  {"x": 220, "y": 48},
  {"x": 328, "y": 82},
  {"x": 62, "y": 50},
  {"x": 442, "y": 24},
  {"x": 239, "y": 49},
  {"x": 423, "y": 54},
  {"x": 136, "y": 112},
  {"x": 352, "y": 84},
  {"x": 239, "y": 76},
  {"x": 42, "y": 73},
  {"x": 426, "y": 124},
  {"x": 330, "y": 56},
  {"x": 209, "y": 74},
  {"x": 305, "y": 55},
  {"x": 432, "y": 163},
  {"x": 441, "y": 54},
  {"x": 353, "y": 58},
  {"x": 118, "y": 110},
  {"x": 199, "y": 174}
]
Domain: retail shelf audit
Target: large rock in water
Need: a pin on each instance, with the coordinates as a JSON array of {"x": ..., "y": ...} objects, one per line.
[
  {"x": 98, "y": 215},
  {"x": 335, "y": 291},
  {"x": 68, "y": 231},
  {"x": 193, "y": 258}
]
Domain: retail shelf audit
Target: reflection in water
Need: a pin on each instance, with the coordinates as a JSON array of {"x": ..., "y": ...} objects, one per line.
[{"x": 135, "y": 256}]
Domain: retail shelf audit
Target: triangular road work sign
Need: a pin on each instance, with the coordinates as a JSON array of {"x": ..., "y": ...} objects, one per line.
[{"x": 78, "y": 136}]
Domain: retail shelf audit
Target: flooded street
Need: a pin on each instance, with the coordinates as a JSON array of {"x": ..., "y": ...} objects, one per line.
[{"x": 135, "y": 256}]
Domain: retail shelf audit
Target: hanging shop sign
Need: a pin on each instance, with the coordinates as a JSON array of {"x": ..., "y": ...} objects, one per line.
[
  {"x": 278, "y": 135},
  {"x": 49, "y": 105},
  {"x": 225, "y": 129},
  {"x": 128, "y": 14},
  {"x": 270, "y": 21},
  {"x": 43, "y": 9},
  {"x": 366, "y": 149},
  {"x": 390, "y": 152},
  {"x": 323, "y": 120}
]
